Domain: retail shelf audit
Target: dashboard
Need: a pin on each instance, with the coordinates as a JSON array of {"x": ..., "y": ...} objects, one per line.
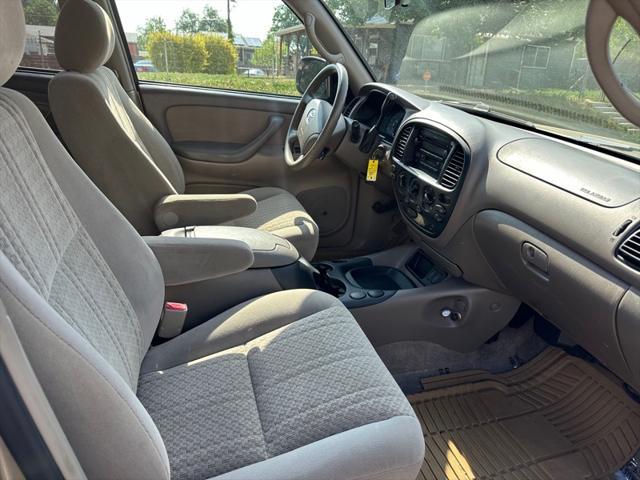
[
  {"x": 366, "y": 110},
  {"x": 550, "y": 222}
]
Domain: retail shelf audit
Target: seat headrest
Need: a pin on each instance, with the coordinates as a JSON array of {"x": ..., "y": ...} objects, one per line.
[
  {"x": 12, "y": 37},
  {"x": 84, "y": 37}
]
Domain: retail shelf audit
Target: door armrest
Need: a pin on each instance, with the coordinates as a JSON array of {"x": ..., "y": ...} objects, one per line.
[
  {"x": 175, "y": 211},
  {"x": 190, "y": 260}
]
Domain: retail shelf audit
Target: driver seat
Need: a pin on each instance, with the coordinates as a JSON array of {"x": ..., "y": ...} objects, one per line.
[{"x": 126, "y": 156}]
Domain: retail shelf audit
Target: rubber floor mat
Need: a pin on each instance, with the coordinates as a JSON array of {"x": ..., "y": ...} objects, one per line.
[{"x": 556, "y": 417}]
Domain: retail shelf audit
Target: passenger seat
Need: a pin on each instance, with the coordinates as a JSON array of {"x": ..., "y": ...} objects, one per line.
[
  {"x": 285, "y": 386},
  {"x": 130, "y": 161}
]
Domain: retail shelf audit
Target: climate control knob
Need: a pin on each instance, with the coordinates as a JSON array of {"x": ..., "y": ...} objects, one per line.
[
  {"x": 440, "y": 210},
  {"x": 429, "y": 197}
]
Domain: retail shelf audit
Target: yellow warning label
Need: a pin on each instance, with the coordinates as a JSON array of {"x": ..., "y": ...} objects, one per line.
[{"x": 372, "y": 170}]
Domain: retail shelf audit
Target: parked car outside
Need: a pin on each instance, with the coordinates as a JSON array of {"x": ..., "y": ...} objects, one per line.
[
  {"x": 145, "y": 66},
  {"x": 255, "y": 72}
]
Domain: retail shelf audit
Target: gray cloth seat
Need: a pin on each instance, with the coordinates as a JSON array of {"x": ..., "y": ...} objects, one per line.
[
  {"x": 299, "y": 375},
  {"x": 121, "y": 150},
  {"x": 283, "y": 386}
]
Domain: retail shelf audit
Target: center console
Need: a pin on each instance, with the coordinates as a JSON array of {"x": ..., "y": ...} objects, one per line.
[
  {"x": 429, "y": 165},
  {"x": 395, "y": 295},
  {"x": 361, "y": 282},
  {"x": 402, "y": 294}
]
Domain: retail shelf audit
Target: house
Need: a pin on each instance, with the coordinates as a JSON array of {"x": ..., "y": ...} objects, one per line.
[
  {"x": 39, "y": 51},
  {"x": 245, "y": 46},
  {"x": 293, "y": 44},
  {"x": 132, "y": 44},
  {"x": 381, "y": 42}
]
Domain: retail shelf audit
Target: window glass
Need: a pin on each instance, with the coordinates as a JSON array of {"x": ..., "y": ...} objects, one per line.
[
  {"x": 526, "y": 58},
  {"x": 248, "y": 45},
  {"x": 535, "y": 56},
  {"x": 40, "y": 17},
  {"x": 624, "y": 51}
]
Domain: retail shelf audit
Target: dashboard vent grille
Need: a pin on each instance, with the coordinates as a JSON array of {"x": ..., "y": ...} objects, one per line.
[
  {"x": 454, "y": 169},
  {"x": 403, "y": 141},
  {"x": 629, "y": 250}
]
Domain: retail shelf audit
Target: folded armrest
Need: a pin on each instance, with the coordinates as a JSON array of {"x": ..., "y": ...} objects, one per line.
[
  {"x": 189, "y": 260},
  {"x": 175, "y": 211}
]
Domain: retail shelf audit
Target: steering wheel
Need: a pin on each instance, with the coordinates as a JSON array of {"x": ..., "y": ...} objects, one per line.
[{"x": 315, "y": 120}]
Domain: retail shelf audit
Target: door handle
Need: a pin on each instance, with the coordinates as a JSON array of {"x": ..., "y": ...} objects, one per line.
[{"x": 535, "y": 257}]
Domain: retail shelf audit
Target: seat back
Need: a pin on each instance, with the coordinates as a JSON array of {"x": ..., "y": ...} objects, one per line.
[
  {"x": 84, "y": 291},
  {"x": 105, "y": 131}
]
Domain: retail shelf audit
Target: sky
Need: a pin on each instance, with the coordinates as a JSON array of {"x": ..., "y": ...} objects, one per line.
[{"x": 251, "y": 18}]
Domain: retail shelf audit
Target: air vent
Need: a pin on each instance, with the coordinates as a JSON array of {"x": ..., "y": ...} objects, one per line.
[
  {"x": 629, "y": 250},
  {"x": 403, "y": 140},
  {"x": 454, "y": 169}
]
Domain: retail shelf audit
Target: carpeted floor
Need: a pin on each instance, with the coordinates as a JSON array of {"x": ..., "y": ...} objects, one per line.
[{"x": 409, "y": 362}]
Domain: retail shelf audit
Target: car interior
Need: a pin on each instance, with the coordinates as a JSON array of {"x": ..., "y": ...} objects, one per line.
[{"x": 320, "y": 239}]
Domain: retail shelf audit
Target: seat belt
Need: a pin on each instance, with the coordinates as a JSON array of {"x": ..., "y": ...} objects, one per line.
[
  {"x": 172, "y": 320},
  {"x": 28, "y": 426}
]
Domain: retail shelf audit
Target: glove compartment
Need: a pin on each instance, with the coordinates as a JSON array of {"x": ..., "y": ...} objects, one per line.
[{"x": 567, "y": 289}]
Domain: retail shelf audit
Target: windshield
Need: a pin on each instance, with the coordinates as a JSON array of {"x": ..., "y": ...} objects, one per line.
[{"x": 525, "y": 58}]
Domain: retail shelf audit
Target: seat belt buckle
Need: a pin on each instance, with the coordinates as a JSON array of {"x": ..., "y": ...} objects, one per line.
[{"x": 172, "y": 321}]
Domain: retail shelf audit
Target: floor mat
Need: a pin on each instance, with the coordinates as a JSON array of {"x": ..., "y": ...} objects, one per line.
[{"x": 557, "y": 417}]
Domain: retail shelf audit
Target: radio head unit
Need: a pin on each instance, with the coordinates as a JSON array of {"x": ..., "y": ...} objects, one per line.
[
  {"x": 428, "y": 170},
  {"x": 431, "y": 150}
]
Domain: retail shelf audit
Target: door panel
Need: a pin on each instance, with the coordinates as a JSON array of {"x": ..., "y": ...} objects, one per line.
[
  {"x": 229, "y": 141},
  {"x": 223, "y": 150},
  {"x": 239, "y": 126}
]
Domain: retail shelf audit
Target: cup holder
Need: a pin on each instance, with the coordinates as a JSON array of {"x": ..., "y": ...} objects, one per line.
[
  {"x": 357, "y": 282},
  {"x": 328, "y": 284},
  {"x": 379, "y": 278},
  {"x": 323, "y": 268}
]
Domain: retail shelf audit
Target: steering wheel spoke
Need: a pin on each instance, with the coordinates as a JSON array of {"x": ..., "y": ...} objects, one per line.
[
  {"x": 306, "y": 98},
  {"x": 293, "y": 141},
  {"x": 292, "y": 136},
  {"x": 315, "y": 120}
]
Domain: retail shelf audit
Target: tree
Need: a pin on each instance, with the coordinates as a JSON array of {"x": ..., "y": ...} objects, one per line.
[
  {"x": 230, "y": 35},
  {"x": 221, "y": 54},
  {"x": 283, "y": 18},
  {"x": 266, "y": 54},
  {"x": 152, "y": 25},
  {"x": 211, "y": 21},
  {"x": 177, "y": 53},
  {"x": 623, "y": 43},
  {"x": 188, "y": 22},
  {"x": 41, "y": 12}
]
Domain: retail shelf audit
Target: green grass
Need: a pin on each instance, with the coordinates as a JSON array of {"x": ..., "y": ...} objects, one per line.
[
  {"x": 275, "y": 85},
  {"x": 572, "y": 95}
]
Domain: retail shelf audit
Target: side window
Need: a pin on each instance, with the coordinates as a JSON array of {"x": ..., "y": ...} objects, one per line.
[
  {"x": 247, "y": 45},
  {"x": 41, "y": 17}
]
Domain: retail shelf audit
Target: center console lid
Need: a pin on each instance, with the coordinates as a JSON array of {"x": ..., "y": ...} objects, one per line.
[{"x": 269, "y": 251}]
